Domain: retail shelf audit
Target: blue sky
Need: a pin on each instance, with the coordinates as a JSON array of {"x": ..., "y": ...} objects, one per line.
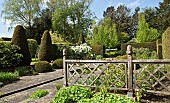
[{"x": 98, "y": 6}]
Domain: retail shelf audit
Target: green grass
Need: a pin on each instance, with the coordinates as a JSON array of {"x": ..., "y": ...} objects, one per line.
[{"x": 38, "y": 94}]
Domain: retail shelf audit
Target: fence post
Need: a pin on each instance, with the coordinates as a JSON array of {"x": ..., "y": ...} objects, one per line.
[
  {"x": 65, "y": 67},
  {"x": 130, "y": 71}
]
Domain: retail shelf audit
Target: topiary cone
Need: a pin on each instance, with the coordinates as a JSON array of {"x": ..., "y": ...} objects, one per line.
[
  {"x": 19, "y": 38},
  {"x": 45, "y": 52}
]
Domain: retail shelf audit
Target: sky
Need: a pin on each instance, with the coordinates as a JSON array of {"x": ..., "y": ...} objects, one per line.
[{"x": 97, "y": 7}]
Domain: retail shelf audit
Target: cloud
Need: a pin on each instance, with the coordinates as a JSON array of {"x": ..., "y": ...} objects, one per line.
[{"x": 134, "y": 4}]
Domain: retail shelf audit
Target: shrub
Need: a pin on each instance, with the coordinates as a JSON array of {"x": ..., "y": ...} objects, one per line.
[
  {"x": 19, "y": 38},
  {"x": 71, "y": 94},
  {"x": 38, "y": 94},
  {"x": 45, "y": 52},
  {"x": 159, "y": 48},
  {"x": 43, "y": 66},
  {"x": 1, "y": 39},
  {"x": 33, "y": 45},
  {"x": 80, "y": 52},
  {"x": 150, "y": 45},
  {"x": 10, "y": 55},
  {"x": 58, "y": 49},
  {"x": 7, "y": 77},
  {"x": 98, "y": 49},
  {"x": 57, "y": 64},
  {"x": 25, "y": 70}
]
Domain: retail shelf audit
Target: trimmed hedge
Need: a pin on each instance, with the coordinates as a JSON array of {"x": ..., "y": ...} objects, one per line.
[
  {"x": 19, "y": 38},
  {"x": 33, "y": 45},
  {"x": 58, "y": 49},
  {"x": 43, "y": 66},
  {"x": 166, "y": 43},
  {"x": 46, "y": 51},
  {"x": 58, "y": 64},
  {"x": 98, "y": 50},
  {"x": 10, "y": 55},
  {"x": 150, "y": 45}
]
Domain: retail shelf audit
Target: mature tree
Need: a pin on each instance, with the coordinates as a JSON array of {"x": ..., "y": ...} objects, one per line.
[
  {"x": 21, "y": 11},
  {"x": 163, "y": 16},
  {"x": 105, "y": 34},
  {"x": 41, "y": 24},
  {"x": 144, "y": 33},
  {"x": 71, "y": 18},
  {"x": 121, "y": 17}
]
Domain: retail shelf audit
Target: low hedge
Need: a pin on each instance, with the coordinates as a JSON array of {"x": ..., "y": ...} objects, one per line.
[
  {"x": 58, "y": 64},
  {"x": 98, "y": 49},
  {"x": 33, "y": 45},
  {"x": 150, "y": 45},
  {"x": 43, "y": 66}
]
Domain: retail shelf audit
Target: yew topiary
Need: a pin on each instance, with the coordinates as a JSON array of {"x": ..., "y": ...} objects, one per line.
[
  {"x": 45, "y": 52},
  {"x": 19, "y": 38}
]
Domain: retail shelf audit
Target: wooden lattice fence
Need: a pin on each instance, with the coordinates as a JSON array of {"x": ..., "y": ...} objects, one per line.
[{"x": 130, "y": 75}]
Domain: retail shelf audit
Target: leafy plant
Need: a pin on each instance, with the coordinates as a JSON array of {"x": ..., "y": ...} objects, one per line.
[
  {"x": 25, "y": 70},
  {"x": 38, "y": 94},
  {"x": 81, "y": 52},
  {"x": 43, "y": 66},
  {"x": 6, "y": 77},
  {"x": 58, "y": 64},
  {"x": 10, "y": 55},
  {"x": 71, "y": 94}
]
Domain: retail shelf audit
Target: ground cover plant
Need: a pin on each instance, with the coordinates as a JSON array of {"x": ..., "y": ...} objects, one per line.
[
  {"x": 7, "y": 77},
  {"x": 38, "y": 94},
  {"x": 77, "y": 94}
]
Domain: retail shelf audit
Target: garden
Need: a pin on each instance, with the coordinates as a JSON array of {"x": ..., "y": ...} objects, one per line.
[{"x": 38, "y": 48}]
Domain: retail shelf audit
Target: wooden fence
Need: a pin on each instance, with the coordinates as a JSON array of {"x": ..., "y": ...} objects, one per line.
[{"x": 130, "y": 75}]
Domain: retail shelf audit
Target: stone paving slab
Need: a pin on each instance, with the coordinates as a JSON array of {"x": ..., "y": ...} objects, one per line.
[{"x": 26, "y": 81}]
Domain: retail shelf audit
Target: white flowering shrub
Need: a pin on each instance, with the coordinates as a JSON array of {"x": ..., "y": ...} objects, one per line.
[{"x": 81, "y": 52}]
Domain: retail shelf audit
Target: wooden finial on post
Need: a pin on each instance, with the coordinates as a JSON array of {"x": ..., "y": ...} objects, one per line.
[
  {"x": 130, "y": 71},
  {"x": 65, "y": 67}
]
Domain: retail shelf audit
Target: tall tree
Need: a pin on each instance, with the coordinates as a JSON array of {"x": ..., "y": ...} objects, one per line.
[
  {"x": 121, "y": 17},
  {"x": 71, "y": 18},
  {"x": 21, "y": 11},
  {"x": 144, "y": 33}
]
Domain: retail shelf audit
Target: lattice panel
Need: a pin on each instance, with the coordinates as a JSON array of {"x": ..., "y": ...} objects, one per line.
[
  {"x": 98, "y": 74},
  {"x": 152, "y": 77}
]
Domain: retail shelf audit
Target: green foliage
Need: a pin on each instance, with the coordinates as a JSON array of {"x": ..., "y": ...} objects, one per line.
[
  {"x": 56, "y": 38},
  {"x": 6, "y": 77},
  {"x": 111, "y": 54},
  {"x": 98, "y": 49},
  {"x": 43, "y": 66},
  {"x": 109, "y": 98},
  {"x": 71, "y": 94},
  {"x": 46, "y": 51},
  {"x": 80, "y": 52},
  {"x": 58, "y": 49},
  {"x": 106, "y": 35},
  {"x": 25, "y": 71},
  {"x": 21, "y": 12},
  {"x": 81, "y": 39},
  {"x": 19, "y": 38},
  {"x": 159, "y": 48},
  {"x": 150, "y": 45},
  {"x": 58, "y": 64},
  {"x": 33, "y": 45},
  {"x": 144, "y": 33},
  {"x": 38, "y": 94},
  {"x": 10, "y": 55},
  {"x": 1, "y": 39},
  {"x": 144, "y": 53},
  {"x": 166, "y": 44},
  {"x": 99, "y": 56},
  {"x": 70, "y": 18}
]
